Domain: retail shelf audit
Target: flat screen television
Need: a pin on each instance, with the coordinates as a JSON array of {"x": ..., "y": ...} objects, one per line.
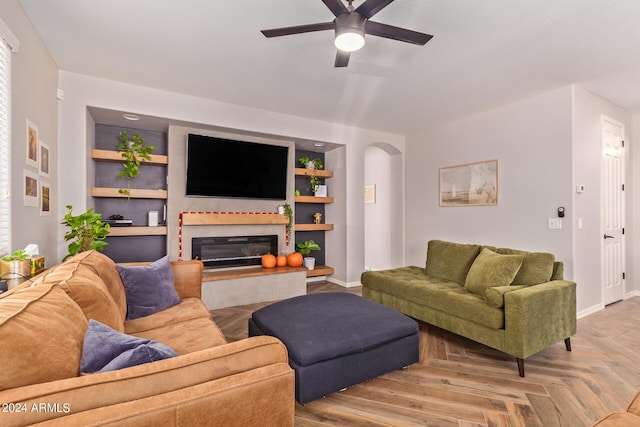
[{"x": 219, "y": 167}]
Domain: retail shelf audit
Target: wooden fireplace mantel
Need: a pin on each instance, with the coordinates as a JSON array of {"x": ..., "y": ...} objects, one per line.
[{"x": 227, "y": 218}]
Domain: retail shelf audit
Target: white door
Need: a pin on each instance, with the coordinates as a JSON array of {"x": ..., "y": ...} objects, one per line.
[{"x": 613, "y": 272}]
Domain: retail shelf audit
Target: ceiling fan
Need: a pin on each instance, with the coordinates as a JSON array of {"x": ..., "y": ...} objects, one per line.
[{"x": 350, "y": 27}]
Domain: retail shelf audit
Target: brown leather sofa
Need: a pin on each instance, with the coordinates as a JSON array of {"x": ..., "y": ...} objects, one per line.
[
  {"x": 630, "y": 418},
  {"x": 210, "y": 382}
]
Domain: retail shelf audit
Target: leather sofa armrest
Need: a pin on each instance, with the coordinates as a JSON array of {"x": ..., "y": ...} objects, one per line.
[
  {"x": 539, "y": 316},
  {"x": 90, "y": 392},
  {"x": 187, "y": 278}
]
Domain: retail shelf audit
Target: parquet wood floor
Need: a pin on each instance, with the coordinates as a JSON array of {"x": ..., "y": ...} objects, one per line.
[{"x": 462, "y": 383}]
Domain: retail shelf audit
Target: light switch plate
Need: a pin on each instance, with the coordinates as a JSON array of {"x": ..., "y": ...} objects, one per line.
[{"x": 555, "y": 223}]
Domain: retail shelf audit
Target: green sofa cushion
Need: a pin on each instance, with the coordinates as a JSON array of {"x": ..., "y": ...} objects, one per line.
[
  {"x": 411, "y": 284},
  {"x": 492, "y": 269},
  {"x": 450, "y": 261},
  {"x": 537, "y": 267},
  {"x": 495, "y": 296}
]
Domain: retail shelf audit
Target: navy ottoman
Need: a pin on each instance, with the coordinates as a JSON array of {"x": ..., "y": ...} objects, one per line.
[{"x": 336, "y": 340}]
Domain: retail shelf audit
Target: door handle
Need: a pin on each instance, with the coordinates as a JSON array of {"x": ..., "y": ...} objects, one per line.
[{"x": 606, "y": 236}]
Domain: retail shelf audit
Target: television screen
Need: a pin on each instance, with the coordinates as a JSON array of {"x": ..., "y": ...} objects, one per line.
[{"x": 218, "y": 167}]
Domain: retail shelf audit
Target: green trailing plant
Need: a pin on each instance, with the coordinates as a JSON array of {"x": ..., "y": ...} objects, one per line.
[
  {"x": 19, "y": 255},
  {"x": 314, "y": 181},
  {"x": 307, "y": 246},
  {"x": 288, "y": 212},
  {"x": 86, "y": 232},
  {"x": 134, "y": 151}
]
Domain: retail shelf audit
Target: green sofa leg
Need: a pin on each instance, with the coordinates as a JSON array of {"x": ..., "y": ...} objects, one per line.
[{"x": 567, "y": 344}]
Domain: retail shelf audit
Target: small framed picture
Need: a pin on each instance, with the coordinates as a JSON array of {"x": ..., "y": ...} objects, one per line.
[
  {"x": 370, "y": 193},
  {"x": 32, "y": 144},
  {"x": 44, "y": 159},
  {"x": 45, "y": 199},
  {"x": 30, "y": 193}
]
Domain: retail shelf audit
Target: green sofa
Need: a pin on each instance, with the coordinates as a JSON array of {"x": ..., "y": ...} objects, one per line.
[{"x": 511, "y": 300}]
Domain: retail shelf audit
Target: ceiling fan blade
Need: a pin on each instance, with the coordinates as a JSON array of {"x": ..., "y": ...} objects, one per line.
[
  {"x": 371, "y": 7},
  {"x": 342, "y": 58},
  {"x": 336, "y": 7},
  {"x": 396, "y": 33},
  {"x": 298, "y": 29}
]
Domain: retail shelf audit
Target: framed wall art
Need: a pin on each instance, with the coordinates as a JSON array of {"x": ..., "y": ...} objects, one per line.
[
  {"x": 44, "y": 159},
  {"x": 470, "y": 184},
  {"x": 32, "y": 144},
  {"x": 30, "y": 192},
  {"x": 45, "y": 198}
]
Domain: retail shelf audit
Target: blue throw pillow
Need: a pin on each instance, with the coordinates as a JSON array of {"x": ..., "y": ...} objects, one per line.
[
  {"x": 149, "y": 288},
  {"x": 105, "y": 349}
]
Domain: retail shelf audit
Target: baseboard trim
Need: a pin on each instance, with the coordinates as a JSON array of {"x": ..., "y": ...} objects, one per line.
[
  {"x": 344, "y": 284},
  {"x": 590, "y": 310}
]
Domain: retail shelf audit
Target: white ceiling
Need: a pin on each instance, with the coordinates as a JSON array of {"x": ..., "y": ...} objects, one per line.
[{"x": 484, "y": 53}]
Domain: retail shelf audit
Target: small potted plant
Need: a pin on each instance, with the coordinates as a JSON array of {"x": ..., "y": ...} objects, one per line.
[
  {"x": 311, "y": 164},
  {"x": 134, "y": 152},
  {"x": 15, "y": 266},
  {"x": 305, "y": 249},
  {"x": 86, "y": 232}
]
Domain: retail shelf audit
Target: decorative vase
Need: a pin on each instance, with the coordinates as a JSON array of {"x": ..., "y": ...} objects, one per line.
[
  {"x": 310, "y": 165},
  {"x": 15, "y": 269},
  {"x": 14, "y": 272},
  {"x": 310, "y": 262}
]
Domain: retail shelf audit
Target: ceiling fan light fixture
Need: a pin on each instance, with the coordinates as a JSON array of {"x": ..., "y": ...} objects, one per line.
[
  {"x": 349, "y": 31},
  {"x": 349, "y": 40}
]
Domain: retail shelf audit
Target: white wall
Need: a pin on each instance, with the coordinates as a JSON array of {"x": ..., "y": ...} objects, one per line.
[
  {"x": 384, "y": 219},
  {"x": 546, "y": 145},
  {"x": 587, "y": 158},
  {"x": 34, "y": 82},
  {"x": 377, "y": 216},
  {"x": 633, "y": 261},
  {"x": 531, "y": 139},
  {"x": 83, "y": 91}
]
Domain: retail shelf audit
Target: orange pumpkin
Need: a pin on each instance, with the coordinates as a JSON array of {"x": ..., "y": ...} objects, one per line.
[
  {"x": 294, "y": 259},
  {"x": 281, "y": 260},
  {"x": 268, "y": 261}
]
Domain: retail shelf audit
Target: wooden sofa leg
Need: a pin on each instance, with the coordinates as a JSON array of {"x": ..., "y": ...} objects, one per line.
[
  {"x": 520, "y": 366},
  {"x": 567, "y": 343}
]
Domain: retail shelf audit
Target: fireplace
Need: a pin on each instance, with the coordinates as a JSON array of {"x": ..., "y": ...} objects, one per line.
[{"x": 233, "y": 251}]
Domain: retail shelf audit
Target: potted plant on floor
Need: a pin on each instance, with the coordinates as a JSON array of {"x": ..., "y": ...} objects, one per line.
[
  {"x": 15, "y": 266},
  {"x": 86, "y": 232},
  {"x": 305, "y": 249}
]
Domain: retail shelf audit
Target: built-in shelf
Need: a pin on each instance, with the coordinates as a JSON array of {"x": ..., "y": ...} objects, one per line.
[
  {"x": 313, "y": 172},
  {"x": 313, "y": 199},
  {"x": 138, "y": 231},
  {"x": 313, "y": 227},
  {"x": 134, "y": 193},
  {"x": 320, "y": 270},
  {"x": 114, "y": 156},
  {"x": 225, "y": 218}
]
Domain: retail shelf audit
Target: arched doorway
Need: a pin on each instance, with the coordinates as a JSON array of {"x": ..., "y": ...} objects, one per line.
[{"x": 384, "y": 211}]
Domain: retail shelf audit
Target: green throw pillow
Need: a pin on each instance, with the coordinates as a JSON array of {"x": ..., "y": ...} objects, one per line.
[
  {"x": 494, "y": 297},
  {"x": 537, "y": 267},
  {"x": 450, "y": 261},
  {"x": 491, "y": 269}
]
